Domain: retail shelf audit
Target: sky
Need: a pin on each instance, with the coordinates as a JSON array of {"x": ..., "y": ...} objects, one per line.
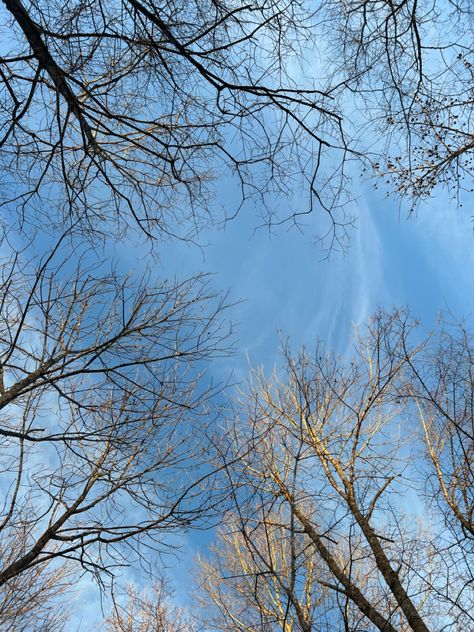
[
  {"x": 284, "y": 286},
  {"x": 285, "y": 283}
]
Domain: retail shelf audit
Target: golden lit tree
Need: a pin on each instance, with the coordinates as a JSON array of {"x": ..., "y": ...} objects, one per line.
[{"x": 339, "y": 449}]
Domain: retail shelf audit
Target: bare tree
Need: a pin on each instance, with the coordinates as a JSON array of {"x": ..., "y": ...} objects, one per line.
[
  {"x": 262, "y": 576},
  {"x": 104, "y": 402},
  {"x": 140, "y": 611},
  {"x": 442, "y": 396},
  {"x": 34, "y": 600},
  {"x": 337, "y": 447},
  {"x": 411, "y": 65},
  {"x": 123, "y": 111}
]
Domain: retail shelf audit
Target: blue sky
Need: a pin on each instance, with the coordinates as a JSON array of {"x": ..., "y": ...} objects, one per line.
[
  {"x": 284, "y": 285},
  {"x": 424, "y": 262}
]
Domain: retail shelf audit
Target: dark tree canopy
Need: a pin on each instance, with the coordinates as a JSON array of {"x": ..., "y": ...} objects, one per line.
[
  {"x": 141, "y": 112},
  {"x": 125, "y": 111},
  {"x": 410, "y": 63}
]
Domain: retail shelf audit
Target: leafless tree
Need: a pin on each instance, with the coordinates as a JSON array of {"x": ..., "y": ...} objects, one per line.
[
  {"x": 104, "y": 403},
  {"x": 34, "y": 600},
  {"x": 411, "y": 65},
  {"x": 122, "y": 112},
  {"x": 368, "y": 458},
  {"x": 142, "y": 611},
  {"x": 262, "y": 576}
]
